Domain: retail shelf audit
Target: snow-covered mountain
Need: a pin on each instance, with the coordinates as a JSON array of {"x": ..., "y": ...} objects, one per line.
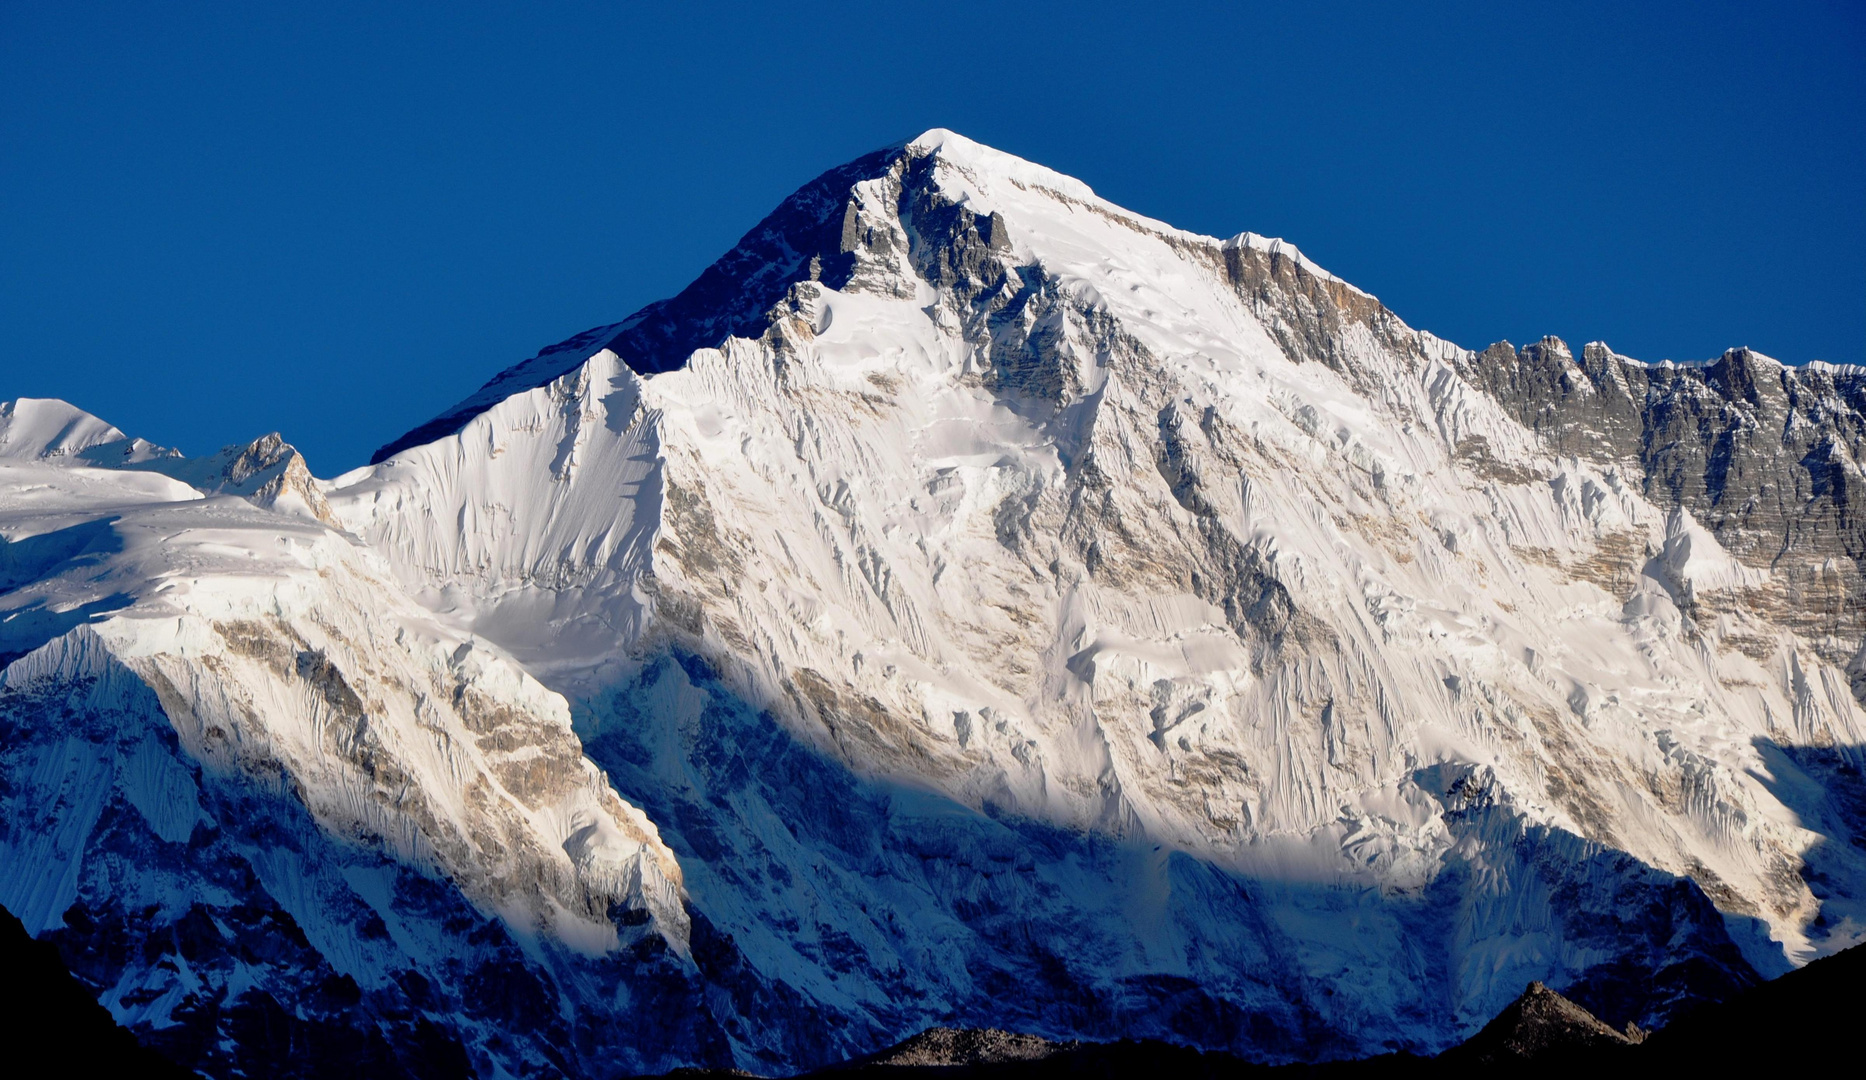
[{"x": 968, "y": 603}]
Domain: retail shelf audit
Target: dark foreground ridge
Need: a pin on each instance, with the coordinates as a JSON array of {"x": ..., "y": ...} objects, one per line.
[
  {"x": 1541, "y": 1033},
  {"x": 48, "y": 1016}
]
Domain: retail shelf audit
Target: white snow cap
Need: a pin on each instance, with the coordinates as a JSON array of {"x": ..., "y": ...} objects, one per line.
[
  {"x": 37, "y": 428},
  {"x": 963, "y": 152}
]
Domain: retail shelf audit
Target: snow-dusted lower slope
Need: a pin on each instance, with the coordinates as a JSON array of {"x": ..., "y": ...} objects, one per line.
[{"x": 1014, "y": 612}]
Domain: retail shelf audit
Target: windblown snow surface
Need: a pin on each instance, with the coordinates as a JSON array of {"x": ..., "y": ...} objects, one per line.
[{"x": 970, "y": 603}]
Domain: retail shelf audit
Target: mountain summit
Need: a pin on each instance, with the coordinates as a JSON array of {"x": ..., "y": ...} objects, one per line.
[{"x": 970, "y": 604}]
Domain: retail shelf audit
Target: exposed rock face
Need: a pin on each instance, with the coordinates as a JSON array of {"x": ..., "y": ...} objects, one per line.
[
  {"x": 980, "y": 606},
  {"x": 1765, "y": 456}
]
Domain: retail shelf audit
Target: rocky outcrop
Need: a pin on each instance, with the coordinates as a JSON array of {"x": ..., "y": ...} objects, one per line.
[
  {"x": 1539, "y": 1026},
  {"x": 268, "y": 472},
  {"x": 938, "y": 1047}
]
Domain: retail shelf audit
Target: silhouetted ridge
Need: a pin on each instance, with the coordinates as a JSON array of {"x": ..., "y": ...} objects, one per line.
[
  {"x": 801, "y": 240},
  {"x": 1540, "y": 1033},
  {"x": 1802, "y": 1012},
  {"x": 48, "y": 1016}
]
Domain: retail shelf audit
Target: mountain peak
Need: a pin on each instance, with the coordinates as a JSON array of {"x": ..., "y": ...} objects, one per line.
[
  {"x": 876, "y": 224},
  {"x": 967, "y": 604},
  {"x": 978, "y": 158}
]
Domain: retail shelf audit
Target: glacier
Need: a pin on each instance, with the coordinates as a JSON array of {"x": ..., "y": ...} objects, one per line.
[{"x": 968, "y": 603}]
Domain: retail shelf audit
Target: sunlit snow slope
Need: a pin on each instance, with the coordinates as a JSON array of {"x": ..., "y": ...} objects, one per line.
[{"x": 1012, "y": 611}]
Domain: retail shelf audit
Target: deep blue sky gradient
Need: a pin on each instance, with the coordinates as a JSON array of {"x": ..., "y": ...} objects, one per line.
[{"x": 222, "y": 219}]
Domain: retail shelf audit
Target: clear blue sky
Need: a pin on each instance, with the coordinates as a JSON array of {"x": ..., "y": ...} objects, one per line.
[{"x": 225, "y": 219}]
